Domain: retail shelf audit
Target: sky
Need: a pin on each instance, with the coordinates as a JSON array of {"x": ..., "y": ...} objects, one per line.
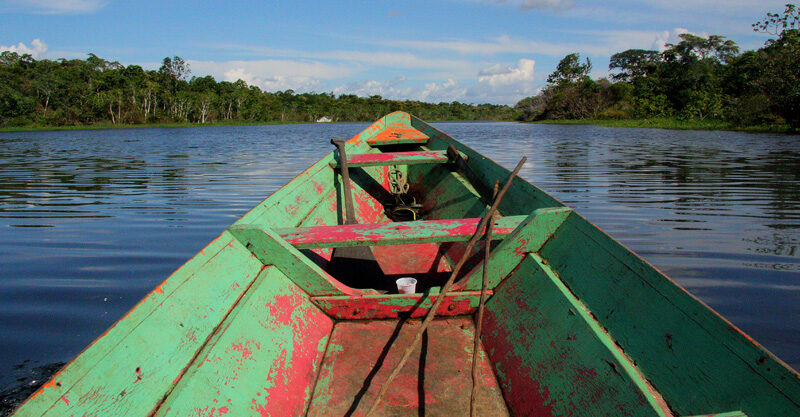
[{"x": 472, "y": 51}]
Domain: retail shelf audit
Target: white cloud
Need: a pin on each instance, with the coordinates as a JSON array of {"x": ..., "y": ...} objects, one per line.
[
  {"x": 273, "y": 83},
  {"x": 391, "y": 59},
  {"x": 36, "y": 50},
  {"x": 447, "y": 91},
  {"x": 387, "y": 89},
  {"x": 599, "y": 43},
  {"x": 534, "y": 4},
  {"x": 499, "y": 75},
  {"x": 505, "y": 84},
  {"x": 60, "y": 6},
  {"x": 667, "y": 36},
  {"x": 273, "y": 75},
  {"x": 498, "y": 83}
]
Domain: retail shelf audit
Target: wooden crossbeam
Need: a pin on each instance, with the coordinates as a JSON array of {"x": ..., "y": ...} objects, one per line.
[
  {"x": 399, "y": 233},
  {"x": 394, "y": 158},
  {"x": 398, "y": 135},
  {"x": 269, "y": 248},
  {"x": 532, "y": 232},
  {"x": 390, "y": 306}
]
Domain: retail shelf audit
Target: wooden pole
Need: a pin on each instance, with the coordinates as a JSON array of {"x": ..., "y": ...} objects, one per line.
[
  {"x": 445, "y": 288},
  {"x": 473, "y": 399},
  {"x": 350, "y": 211}
]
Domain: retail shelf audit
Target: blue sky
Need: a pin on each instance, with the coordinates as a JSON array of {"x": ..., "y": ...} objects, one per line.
[{"x": 490, "y": 51}]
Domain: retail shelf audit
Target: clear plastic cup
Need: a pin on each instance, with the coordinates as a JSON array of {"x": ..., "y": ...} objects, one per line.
[{"x": 407, "y": 285}]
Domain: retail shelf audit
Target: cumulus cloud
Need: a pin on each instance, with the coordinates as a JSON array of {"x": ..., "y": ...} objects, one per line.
[
  {"x": 392, "y": 88},
  {"x": 273, "y": 83},
  {"x": 669, "y": 36},
  {"x": 505, "y": 84},
  {"x": 36, "y": 50},
  {"x": 498, "y": 83},
  {"x": 274, "y": 74},
  {"x": 59, "y": 6},
  {"x": 398, "y": 89},
  {"x": 447, "y": 91}
]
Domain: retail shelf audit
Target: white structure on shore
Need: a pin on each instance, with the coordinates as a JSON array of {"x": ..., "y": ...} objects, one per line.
[{"x": 324, "y": 119}]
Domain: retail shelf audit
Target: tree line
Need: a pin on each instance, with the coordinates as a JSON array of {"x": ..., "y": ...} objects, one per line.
[
  {"x": 93, "y": 90},
  {"x": 697, "y": 78}
]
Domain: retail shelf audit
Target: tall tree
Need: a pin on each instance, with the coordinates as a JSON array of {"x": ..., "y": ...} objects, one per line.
[
  {"x": 570, "y": 70},
  {"x": 633, "y": 63}
]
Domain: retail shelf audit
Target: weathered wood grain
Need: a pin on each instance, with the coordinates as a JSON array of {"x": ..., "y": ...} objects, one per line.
[
  {"x": 264, "y": 361},
  {"x": 699, "y": 362},
  {"x": 421, "y": 231},
  {"x": 134, "y": 375},
  {"x": 390, "y": 306},
  {"x": 269, "y": 248},
  {"x": 394, "y": 158},
  {"x": 528, "y": 237},
  {"x": 552, "y": 358},
  {"x": 397, "y": 134}
]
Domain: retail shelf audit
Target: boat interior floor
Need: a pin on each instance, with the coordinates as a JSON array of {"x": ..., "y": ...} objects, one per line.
[{"x": 434, "y": 382}]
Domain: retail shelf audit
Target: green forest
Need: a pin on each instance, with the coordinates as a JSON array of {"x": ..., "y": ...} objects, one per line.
[
  {"x": 96, "y": 91},
  {"x": 698, "y": 79},
  {"x": 696, "y": 82}
]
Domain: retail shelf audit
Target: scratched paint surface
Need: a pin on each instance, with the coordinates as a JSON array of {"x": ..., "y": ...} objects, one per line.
[
  {"x": 670, "y": 335},
  {"x": 549, "y": 362},
  {"x": 528, "y": 237},
  {"x": 151, "y": 356},
  {"x": 390, "y": 306},
  {"x": 434, "y": 382},
  {"x": 394, "y": 158},
  {"x": 448, "y": 230},
  {"x": 398, "y": 133},
  {"x": 263, "y": 362}
]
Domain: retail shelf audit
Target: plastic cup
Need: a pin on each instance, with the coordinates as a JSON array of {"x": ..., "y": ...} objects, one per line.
[{"x": 406, "y": 285}]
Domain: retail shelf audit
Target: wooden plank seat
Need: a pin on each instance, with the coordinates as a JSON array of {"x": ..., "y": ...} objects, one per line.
[
  {"x": 398, "y": 135},
  {"x": 395, "y": 158},
  {"x": 395, "y": 233}
]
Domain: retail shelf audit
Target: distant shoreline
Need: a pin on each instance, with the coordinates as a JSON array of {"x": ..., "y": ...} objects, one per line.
[
  {"x": 137, "y": 126},
  {"x": 652, "y": 123},
  {"x": 675, "y": 124},
  {"x": 101, "y": 126}
]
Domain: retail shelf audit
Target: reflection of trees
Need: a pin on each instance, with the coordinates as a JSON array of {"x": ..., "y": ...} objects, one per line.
[
  {"x": 756, "y": 177},
  {"x": 570, "y": 159},
  {"x": 64, "y": 177}
]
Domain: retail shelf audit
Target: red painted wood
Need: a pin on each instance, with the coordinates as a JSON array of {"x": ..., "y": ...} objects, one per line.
[
  {"x": 392, "y": 305},
  {"x": 448, "y": 230},
  {"x": 395, "y": 158},
  {"x": 361, "y": 354},
  {"x": 411, "y": 259},
  {"x": 398, "y": 134}
]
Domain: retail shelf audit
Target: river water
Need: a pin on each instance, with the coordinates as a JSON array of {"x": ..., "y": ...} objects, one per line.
[{"x": 90, "y": 221}]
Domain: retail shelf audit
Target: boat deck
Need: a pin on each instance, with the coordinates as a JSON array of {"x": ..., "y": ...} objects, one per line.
[{"x": 434, "y": 382}]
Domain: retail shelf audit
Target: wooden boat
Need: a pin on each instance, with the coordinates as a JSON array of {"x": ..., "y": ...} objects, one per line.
[{"x": 575, "y": 325}]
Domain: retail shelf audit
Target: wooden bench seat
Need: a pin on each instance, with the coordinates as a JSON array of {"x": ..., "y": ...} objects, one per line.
[
  {"x": 399, "y": 233},
  {"x": 395, "y": 158}
]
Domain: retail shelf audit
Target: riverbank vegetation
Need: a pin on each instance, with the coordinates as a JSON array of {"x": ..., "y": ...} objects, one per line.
[
  {"x": 95, "y": 92},
  {"x": 698, "y": 82}
]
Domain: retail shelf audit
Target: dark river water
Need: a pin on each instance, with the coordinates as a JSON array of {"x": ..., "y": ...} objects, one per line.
[{"x": 90, "y": 221}]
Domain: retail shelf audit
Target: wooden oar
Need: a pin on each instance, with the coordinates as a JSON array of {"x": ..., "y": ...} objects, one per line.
[
  {"x": 487, "y": 241},
  {"x": 354, "y": 266},
  {"x": 446, "y": 288}
]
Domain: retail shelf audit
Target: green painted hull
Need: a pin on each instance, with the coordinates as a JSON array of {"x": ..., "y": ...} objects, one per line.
[{"x": 575, "y": 324}]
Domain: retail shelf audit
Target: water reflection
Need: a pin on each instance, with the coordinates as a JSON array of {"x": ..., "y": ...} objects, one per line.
[{"x": 90, "y": 221}]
